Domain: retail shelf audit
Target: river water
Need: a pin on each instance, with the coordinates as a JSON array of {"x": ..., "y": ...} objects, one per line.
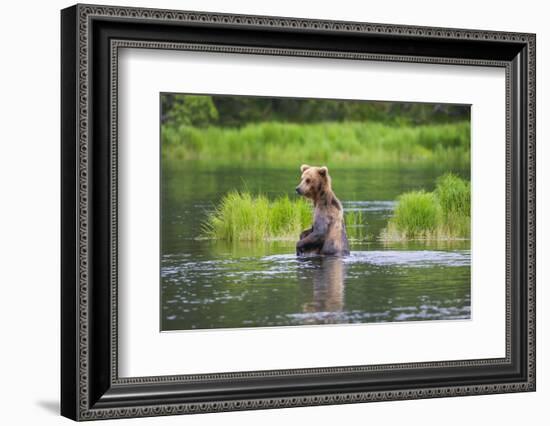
[{"x": 214, "y": 284}]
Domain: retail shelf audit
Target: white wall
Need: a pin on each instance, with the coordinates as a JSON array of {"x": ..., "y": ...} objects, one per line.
[{"x": 29, "y": 225}]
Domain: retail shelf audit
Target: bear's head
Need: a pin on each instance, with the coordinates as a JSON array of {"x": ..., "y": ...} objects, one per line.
[{"x": 314, "y": 183}]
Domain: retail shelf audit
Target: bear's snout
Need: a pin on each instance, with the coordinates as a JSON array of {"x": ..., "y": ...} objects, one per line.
[{"x": 298, "y": 190}]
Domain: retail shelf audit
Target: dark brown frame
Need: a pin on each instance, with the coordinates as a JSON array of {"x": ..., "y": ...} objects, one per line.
[{"x": 91, "y": 37}]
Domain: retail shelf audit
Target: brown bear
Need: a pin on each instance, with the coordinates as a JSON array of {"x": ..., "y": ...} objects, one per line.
[{"x": 327, "y": 236}]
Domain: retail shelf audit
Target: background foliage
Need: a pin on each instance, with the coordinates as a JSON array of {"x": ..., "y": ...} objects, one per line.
[
  {"x": 237, "y": 111},
  {"x": 278, "y": 132}
]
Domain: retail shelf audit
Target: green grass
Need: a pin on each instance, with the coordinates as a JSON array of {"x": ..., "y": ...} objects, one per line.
[
  {"x": 356, "y": 228},
  {"x": 453, "y": 195},
  {"x": 438, "y": 215},
  {"x": 335, "y": 144},
  {"x": 241, "y": 216},
  {"x": 416, "y": 213}
]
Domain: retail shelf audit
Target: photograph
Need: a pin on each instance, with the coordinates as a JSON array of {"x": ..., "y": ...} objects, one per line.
[{"x": 298, "y": 212}]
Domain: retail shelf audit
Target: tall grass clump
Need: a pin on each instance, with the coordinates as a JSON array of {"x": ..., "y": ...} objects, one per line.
[
  {"x": 346, "y": 144},
  {"x": 453, "y": 195},
  {"x": 441, "y": 214},
  {"x": 241, "y": 216},
  {"x": 416, "y": 213}
]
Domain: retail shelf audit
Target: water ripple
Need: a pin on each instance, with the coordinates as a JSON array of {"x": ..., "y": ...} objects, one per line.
[
  {"x": 369, "y": 206},
  {"x": 274, "y": 265},
  {"x": 413, "y": 258}
]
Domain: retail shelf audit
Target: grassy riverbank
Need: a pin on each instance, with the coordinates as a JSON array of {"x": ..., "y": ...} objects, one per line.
[
  {"x": 334, "y": 143},
  {"x": 439, "y": 215}
]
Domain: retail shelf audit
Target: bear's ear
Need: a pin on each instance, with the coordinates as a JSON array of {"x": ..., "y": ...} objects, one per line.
[
  {"x": 304, "y": 167},
  {"x": 323, "y": 171}
]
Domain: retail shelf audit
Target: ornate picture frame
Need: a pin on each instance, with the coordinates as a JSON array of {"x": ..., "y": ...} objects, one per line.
[{"x": 91, "y": 37}]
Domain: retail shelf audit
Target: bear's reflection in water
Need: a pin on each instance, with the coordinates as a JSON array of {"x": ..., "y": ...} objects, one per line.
[{"x": 327, "y": 276}]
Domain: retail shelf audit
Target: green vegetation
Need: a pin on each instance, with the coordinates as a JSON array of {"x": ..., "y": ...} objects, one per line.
[
  {"x": 454, "y": 197},
  {"x": 241, "y": 216},
  {"x": 238, "y": 111},
  {"x": 355, "y": 226},
  {"x": 416, "y": 214},
  {"x": 439, "y": 215},
  {"x": 443, "y": 214},
  {"x": 194, "y": 111},
  {"x": 333, "y": 143}
]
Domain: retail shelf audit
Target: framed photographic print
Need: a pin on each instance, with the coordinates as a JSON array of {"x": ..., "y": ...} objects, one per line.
[{"x": 263, "y": 212}]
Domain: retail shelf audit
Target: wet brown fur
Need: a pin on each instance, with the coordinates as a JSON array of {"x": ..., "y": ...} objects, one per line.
[{"x": 328, "y": 232}]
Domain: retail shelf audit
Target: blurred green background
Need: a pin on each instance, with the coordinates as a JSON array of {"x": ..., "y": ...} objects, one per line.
[{"x": 283, "y": 131}]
